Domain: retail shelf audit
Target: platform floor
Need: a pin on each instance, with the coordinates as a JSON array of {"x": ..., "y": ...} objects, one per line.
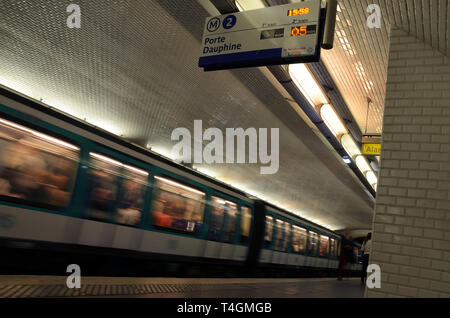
[{"x": 55, "y": 286}]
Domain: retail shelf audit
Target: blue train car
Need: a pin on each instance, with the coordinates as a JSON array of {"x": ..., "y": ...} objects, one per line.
[{"x": 72, "y": 193}]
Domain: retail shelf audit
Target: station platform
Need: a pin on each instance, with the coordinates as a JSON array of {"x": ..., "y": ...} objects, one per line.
[{"x": 55, "y": 287}]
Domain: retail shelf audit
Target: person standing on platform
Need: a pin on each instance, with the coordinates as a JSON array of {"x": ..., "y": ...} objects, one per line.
[
  {"x": 346, "y": 253},
  {"x": 365, "y": 249}
]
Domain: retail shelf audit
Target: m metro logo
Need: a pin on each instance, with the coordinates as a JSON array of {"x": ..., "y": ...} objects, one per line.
[{"x": 213, "y": 24}]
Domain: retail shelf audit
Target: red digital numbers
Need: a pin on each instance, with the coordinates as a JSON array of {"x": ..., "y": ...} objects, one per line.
[
  {"x": 299, "y": 31},
  {"x": 300, "y": 11}
]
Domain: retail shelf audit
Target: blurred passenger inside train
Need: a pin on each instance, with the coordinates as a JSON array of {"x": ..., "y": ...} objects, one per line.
[
  {"x": 245, "y": 226},
  {"x": 269, "y": 231},
  {"x": 24, "y": 170},
  {"x": 216, "y": 220},
  {"x": 103, "y": 191},
  {"x": 131, "y": 203},
  {"x": 230, "y": 227},
  {"x": 279, "y": 235},
  {"x": 34, "y": 167},
  {"x": 58, "y": 183},
  {"x": 177, "y": 207},
  {"x": 287, "y": 229},
  {"x": 346, "y": 255},
  {"x": 365, "y": 249}
]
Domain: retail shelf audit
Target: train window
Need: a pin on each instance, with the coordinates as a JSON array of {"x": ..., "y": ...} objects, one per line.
[
  {"x": 279, "y": 235},
  {"x": 131, "y": 196},
  {"x": 217, "y": 216},
  {"x": 176, "y": 206},
  {"x": 313, "y": 242},
  {"x": 299, "y": 240},
  {"x": 230, "y": 209},
  {"x": 269, "y": 231},
  {"x": 36, "y": 167},
  {"x": 117, "y": 190},
  {"x": 104, "y": 175},
  {"x": 333, "y": 251},
  {"x": 222, "y": 211},
  {"x": 287, "y": 234},
  {"x": 246, "y": 220},
  {"x": 324, "y": 246}
]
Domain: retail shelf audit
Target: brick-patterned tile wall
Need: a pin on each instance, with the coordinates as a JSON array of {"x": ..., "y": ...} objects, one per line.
[{"x": 411, "y": 229}]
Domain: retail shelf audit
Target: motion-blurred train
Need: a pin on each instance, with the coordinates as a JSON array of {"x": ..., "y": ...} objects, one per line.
[{"x": 74, "y": 194}]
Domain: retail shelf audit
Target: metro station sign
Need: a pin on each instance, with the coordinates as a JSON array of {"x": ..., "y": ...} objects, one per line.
[
  {"x": 371, "y": 149},
  {"x": 284, "y": 34}
]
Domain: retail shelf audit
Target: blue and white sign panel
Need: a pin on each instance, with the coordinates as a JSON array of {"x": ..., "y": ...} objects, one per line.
[{"x": 275, "y": 35}]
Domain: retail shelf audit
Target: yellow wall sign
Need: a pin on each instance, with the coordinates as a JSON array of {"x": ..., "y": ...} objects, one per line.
[{"x": 371, "y": 149}]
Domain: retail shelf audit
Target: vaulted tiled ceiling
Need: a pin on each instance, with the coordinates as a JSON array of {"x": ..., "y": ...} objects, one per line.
[
  {"x": 428, "y": 20},
  {"x": 358, "y": 65},
  {"x": 364, "y": 56},
  {"x": 358, "y": 61}
]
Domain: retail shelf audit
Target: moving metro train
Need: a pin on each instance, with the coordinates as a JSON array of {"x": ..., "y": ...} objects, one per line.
[{"x": 73, "y": 194}]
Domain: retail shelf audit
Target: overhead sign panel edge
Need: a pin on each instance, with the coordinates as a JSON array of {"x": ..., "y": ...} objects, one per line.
[{"x": 283, "y": 34}]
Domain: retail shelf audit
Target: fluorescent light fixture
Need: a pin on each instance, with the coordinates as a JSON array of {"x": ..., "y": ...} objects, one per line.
[
  {"x": 106, "y": 159},
  {"x": 55, "y": 141},
  {"x": 371, "y": 178},
  {"x": 223, "y": 202},
  {"x": 332, "y": 120},
  {"x": 238, "y": 5},
  {"x": 19, "y": 127},
  {"x": 307, "y": 84},
  {"x": 139, "y": 171},
  {"x": 117, "y": 163},
  {"x": 362, "y": 164},
  {"x": 245, "y": 5},
  {"x": 40, "y": 135},
  {"x": 350, "y": 146},
  {"x": 347, "y": 160},
  {"x": 176, "y": 184},
  {"x": 220, "y": 201}
]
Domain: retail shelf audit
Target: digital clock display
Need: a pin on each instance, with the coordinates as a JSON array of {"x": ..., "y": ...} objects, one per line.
[{"x": 300, "y": 11}]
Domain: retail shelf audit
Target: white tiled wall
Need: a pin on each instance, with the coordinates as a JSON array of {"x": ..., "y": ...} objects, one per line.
[{"x": 411, "y": 235}]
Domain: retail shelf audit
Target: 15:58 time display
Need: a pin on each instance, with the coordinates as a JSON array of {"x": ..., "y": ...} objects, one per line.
[{"x": 300, "y": 11}]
